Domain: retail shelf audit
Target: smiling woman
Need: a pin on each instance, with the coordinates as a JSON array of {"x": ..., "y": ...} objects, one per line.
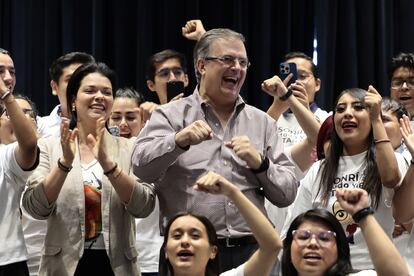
[
  {"x": 360, "y": 156},
  {"x": 83, "y": 187},
  {"x": 191, "y": 247},
  {"x": 126, "y": 113},
  {"x": 316, "y": 244}
]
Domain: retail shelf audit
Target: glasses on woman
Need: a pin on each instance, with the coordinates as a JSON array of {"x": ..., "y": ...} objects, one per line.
[
  {"x": 324, "y": 238},
  {"x": 397, "y": 83}
]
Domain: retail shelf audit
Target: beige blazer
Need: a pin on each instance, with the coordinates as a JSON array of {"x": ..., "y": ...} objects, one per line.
[{"x": 64, "y": 242}]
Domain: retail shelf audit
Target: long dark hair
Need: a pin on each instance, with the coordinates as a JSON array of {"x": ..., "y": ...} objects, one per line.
[
  {"x": 343, "y": 264},
  {"x": 75, "y": 81},
  {"x": 213, "y": 265},
  {"x": 329, "y": 167}
]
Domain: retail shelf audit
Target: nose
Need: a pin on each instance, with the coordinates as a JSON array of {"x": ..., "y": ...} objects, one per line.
[
  {"x": 313, "y": 242},
  {"x": 99, "y": 95},
  {"x": 404, "y": 85},
  {"x": 171, "y": 76},
  {"x": 184, "y": 240},
  {"x": 123, "y": 122},
  {"x": 8, "y": 77},
  {"x": 348, "y": 111},
  {"x": 236, "y": 64}
]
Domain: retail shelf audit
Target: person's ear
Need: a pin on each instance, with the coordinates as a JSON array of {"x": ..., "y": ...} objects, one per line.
[
  {"x": 213, "y": 252},
  {"x": 54, "y": 87},
  {"x": 185, "y": 80},
  {"x": 317, "y": 84},
  {"x": 151, "y": 85},
  {"x": 201, "y": 66}
]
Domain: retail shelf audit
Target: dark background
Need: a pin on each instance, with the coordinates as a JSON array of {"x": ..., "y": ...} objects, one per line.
[{"x": 356, "y": 39}]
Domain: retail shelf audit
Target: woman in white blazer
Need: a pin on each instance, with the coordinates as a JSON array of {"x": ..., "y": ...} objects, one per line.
[{"x": 84, "y": 186}]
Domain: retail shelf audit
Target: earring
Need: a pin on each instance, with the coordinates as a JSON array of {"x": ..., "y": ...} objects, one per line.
[{"x": 73, "y": 107}]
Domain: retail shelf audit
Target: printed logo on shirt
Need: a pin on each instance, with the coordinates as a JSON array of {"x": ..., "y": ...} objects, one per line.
[
  {"x": 291, "y": 136},
  {"x": 346, "y": 220},
  {"x": 352, "y": 180},
  {"x": 93, "y": 217}
]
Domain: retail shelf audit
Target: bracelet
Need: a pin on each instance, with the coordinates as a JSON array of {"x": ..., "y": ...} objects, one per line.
[
  {"x": 286, "y": 96},
  {"x": 111, "y": 171},
  {"x": 381, "y": 141},
  {"x": 263, "y": 166},
  {"x": 118, "y": 174},
  {"x": 63, "y": 167},
  {"x": 5, "y": 95},
  {"x": 362, "y": 214}
]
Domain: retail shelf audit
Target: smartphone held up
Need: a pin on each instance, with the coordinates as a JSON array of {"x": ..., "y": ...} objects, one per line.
[
  {"x": 287, "y": 68},
  {"x": 174, "y": 88}
]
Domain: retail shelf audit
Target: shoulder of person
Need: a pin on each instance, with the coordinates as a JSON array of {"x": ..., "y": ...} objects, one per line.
[{"x": 368, "y": 272}]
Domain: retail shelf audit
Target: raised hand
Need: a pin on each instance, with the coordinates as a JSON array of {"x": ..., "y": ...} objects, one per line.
[
  {"x": 215, "y": 184},
  {"x": 193, "y": 29},
  {"x": 244, "y": 149},
  {"x": 407, "y": 133},
  {"x": 97, "y": 144},
  {"x": 352, "y": 200},
  {"x": 147, "y": 108},
  {"x": 67, "y": 141},
  {"x": 373, "y": 101},
  {"x": 299, "y": 91},
  {"x": 193, "y": 134},
  {"x": 275, "y": 87}
]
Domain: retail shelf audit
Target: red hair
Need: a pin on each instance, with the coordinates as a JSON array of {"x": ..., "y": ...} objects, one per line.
[{"x": 324, "y": 135}]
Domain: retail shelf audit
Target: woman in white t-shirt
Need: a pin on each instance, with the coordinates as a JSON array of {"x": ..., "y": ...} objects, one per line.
[
  {"x": 317, "y": 245},
  {"x": 360, "y": 156},
  {"x": 190, "y": 245}
]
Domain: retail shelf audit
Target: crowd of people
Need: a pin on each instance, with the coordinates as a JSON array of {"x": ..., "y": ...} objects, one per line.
[{"x": 206, "y": 184}]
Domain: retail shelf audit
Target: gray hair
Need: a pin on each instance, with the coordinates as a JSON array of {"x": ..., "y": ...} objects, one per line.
[
  {"x": 202, "y": 47},
  {"x": 4, "y": 51}
]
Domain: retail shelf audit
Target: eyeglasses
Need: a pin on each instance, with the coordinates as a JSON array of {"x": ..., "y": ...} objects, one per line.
[
  {"x": 324, "y": 238},
  {"x": 165, "y": 72},
  {"x": 26, "y": 111},
  {"x": 231, "y": 60},
  {"x": 398, "y": 83}
]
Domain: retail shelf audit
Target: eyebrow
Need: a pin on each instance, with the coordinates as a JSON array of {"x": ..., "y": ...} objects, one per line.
[{"x": 4, "y": 66}]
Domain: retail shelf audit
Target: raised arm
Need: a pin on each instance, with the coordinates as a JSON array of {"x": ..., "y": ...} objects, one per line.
[
  {"x": 193, "y": 29},
  {"x": 384, "y": 154},
  {"x": 262, "y": 261},
  {"x": 54, "y": 180},
  {"x": 299, "y": 105},
  {"x": 403, "y": 203},
  {"x": 24, "y": 130},
  {"x": 124, "y": 184},
  {"x": 384, "y": 255}
]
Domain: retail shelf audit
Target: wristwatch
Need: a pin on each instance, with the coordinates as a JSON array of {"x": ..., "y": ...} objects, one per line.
[{"x": 286, "y": 96}]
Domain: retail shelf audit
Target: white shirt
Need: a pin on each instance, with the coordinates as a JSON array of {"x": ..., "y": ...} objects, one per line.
[
  {"x": 148, "y": 240},
  {"x": 12, "y": 183},
  {"x": 239, "y": 271},
  {"x": 351, "y": 174},
  {"x": 50, "y": 125}
]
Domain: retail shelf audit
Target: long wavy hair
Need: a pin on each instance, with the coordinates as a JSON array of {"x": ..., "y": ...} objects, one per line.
[
  {"x": 329, "y": 166},
  {"x": 343, "y": 264},
  {"x": 213, "y": 266}
]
